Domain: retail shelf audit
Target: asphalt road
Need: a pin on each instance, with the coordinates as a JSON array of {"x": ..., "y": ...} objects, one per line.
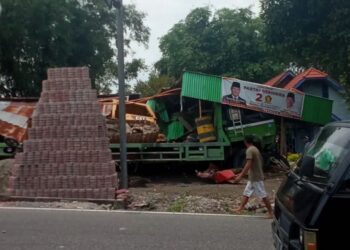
[{"x": 85, "y": 230}]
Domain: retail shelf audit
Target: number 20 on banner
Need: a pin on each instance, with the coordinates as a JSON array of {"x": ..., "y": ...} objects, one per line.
[{"x": 259, "y": 98}]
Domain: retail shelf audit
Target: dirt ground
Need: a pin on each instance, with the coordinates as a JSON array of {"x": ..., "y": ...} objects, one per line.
[
  {"x": 193, "y": 195},
  {"x": 179, "y": 193}
]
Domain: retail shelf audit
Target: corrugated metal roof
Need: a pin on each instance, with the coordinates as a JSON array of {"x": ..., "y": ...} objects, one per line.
[
  {"x": 293, "y": 83},
  {"x": 274, "y": 81},
  {"x": 201, "y": 86}
]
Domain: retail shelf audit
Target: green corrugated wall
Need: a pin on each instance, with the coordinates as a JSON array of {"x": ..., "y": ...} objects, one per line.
[
  {"x": 158, "y": 107},
  {"x": 175, "y": 130},
  {"x": 201, "y": 86},
  {"x": 317, "y": 110}
]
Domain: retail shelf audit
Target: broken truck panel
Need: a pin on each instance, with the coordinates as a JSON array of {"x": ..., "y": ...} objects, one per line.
[
  {"x": 180, "y": 151},
  {"x": 158, "y": 107},
  {"x": 14, "y": 119},
  {"x": 141, "y": 125},
  {"x": 110, "y": 108},
  {"x": 15, "y": 116},
  {"x": 265, "y": 130},
  {"x": 317, "y": 110},
  {"x": 174, "y": 130},
  {"x": 201, "y": 86}
]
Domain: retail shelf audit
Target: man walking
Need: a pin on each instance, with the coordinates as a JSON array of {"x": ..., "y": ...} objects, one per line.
[{"x": 254, "y": 168}]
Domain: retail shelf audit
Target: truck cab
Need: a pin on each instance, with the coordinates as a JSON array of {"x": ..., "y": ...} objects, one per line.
[{"x": 313, "y": 203}]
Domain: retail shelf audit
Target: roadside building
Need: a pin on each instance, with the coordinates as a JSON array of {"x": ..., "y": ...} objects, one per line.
[{"x": 312, "y": 82}]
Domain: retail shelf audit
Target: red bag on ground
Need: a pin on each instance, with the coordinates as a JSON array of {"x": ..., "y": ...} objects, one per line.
[{"x": 224, "y": 176}]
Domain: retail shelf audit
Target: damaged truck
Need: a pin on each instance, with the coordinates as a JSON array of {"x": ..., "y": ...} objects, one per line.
[
  {"x": 201, "y": 121},
  {"x": 206, "y": 120}
]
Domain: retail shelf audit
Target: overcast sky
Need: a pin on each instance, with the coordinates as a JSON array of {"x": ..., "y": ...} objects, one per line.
[{"x": 163, "y": 14}]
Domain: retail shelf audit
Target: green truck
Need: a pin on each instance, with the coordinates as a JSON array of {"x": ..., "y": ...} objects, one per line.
[
  {"x": 203, "y": 93},
  {"x": 202, "y": 96},
  {"x": 228, "y": 141}
]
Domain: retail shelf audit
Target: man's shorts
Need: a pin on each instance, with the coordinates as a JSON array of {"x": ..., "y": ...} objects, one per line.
[{"x": 256, "y": 187}]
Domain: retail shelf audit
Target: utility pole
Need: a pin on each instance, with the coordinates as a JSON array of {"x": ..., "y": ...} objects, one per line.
[{"x": 118, "y": 4}]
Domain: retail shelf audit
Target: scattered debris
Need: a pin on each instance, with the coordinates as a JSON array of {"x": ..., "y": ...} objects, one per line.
[
  {"x": 219, "y": 176},
  {"x": 122, "y": 199},
  {"x": 136, "y": 205},
  {"x": 172, "y": 194},
  {"x": 138, "y": 181}
]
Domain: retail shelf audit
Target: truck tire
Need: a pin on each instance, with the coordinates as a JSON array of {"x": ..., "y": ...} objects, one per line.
[{"x": 9, "y": 150}]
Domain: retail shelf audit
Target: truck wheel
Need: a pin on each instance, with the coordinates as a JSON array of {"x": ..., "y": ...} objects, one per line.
[{"x": 9, "y": 150}]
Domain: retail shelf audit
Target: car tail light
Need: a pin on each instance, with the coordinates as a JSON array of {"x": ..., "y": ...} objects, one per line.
[{"x": 310, "y": 240}]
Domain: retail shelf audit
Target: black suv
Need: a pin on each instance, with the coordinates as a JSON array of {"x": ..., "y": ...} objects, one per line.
[{"x": 312, "y": 207}]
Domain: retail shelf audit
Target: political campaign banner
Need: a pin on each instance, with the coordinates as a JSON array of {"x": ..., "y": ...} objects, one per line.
[{"x": 259, "y": 97}]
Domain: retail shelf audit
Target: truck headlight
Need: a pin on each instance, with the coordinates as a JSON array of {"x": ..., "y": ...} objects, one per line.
[{"x": 310, "y": 240}]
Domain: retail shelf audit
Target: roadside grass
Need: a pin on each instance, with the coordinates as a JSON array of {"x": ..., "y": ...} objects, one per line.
[{"x": 178, "y": 205}]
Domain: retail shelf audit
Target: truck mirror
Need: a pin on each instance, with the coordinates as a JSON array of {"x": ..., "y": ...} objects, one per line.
[{"x": 307, "y": 166}]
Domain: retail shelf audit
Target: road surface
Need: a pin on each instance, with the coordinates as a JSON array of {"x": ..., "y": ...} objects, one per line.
[{"x": 36, "y": 229}]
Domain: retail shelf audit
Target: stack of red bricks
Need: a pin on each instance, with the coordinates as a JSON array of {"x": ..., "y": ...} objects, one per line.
[{"x": 67, "y": 153}]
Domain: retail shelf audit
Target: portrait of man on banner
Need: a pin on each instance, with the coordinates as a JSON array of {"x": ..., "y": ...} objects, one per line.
[
  {"x": 291, "y": 107},
  {"x": 234, "y": 96}
]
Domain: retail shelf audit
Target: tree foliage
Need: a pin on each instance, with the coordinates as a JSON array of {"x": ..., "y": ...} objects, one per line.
[
  {"x": 229, "y": 42},
  {"x": 153, "y": 85},
  {"x": 311, "y": 33},
  {"x": 38, "y": 34}
]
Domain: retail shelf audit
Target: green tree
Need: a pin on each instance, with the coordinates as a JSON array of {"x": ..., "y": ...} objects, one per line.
[
  {"x": 153, "y": 85},
  {"x": 229, "y": 42},
  {"x": 38, "y": 34},
  {"x": 311, "y": 33}
]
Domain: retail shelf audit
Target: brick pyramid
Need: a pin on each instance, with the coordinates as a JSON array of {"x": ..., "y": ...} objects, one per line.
[{"x": 67, "y": 153}]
